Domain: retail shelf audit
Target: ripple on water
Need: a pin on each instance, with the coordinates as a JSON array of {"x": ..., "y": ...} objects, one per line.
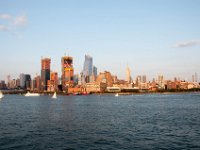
[{"x": 101, "y": 122}]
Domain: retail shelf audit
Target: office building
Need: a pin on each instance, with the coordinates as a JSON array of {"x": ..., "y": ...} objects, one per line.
[
  {"x": 67, "y": 72},
  {"x": 45, "y": 72}
]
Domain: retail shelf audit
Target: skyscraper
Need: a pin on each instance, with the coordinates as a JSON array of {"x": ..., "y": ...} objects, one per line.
[
  {"x": 25, "y": 80},
  {"x": 194, "y": 77},
  {"x": 160, "y": 81},
  {"x": 88, "y": 66},
  {"x": 94, "y": 72},
  {"x": 67, "y": 72},
  {"x": 22, "y": 80},
  {"x": 45, "y": 72},
  {"x": 128, "y": 74}
]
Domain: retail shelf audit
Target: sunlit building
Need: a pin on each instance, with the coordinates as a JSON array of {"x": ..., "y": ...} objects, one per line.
[
  {"x": 128, "y": 74},
  {"x": 45, "y": 72},
  {"x": 105, "y": 77},
  {"x": 88, "y": 64},
  {"x": 53, "y": 82},
  {"x": 67, "y": 72},
  {"x": 160, "y": 82}
]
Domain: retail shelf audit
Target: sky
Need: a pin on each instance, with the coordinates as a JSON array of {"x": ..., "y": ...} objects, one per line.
[{"x": 152, "y": 37}]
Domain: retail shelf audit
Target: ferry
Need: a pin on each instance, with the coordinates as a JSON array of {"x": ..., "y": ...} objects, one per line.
[{"x": 32, "y": 94}]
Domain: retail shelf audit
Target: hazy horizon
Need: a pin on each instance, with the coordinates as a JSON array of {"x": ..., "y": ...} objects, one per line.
[{"x": 151, "y": 37}]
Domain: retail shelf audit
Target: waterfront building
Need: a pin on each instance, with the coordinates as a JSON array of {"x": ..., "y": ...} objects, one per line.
[
  {"x": 52, "y": 84},
  {"x": 171, "y": 85},
  {"x": 75, "y": 90},
  {"x": 95, "y": 87},
  {"x": 67, "y": 72},
  {"x": 2, "y": 85},
  {"x": 105, "y": 77},
  {"x": 45, "y": 72}
]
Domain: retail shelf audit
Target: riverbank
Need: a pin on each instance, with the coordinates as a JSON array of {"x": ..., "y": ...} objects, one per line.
[{"x": 21, "y": 92}]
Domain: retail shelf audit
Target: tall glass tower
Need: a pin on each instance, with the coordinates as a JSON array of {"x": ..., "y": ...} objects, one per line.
[{"x": 88, "y": 66}]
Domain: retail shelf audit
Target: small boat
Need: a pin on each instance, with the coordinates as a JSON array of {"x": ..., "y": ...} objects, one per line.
[
  {"x": 1, "y": 95},
  {"x": 116, "y": 95},
  {"x": 54, "y": 95},
  {"x": 32, "y": 94}
]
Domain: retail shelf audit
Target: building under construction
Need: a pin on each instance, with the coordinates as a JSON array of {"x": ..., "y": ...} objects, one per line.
[{"x": 67, "y": 72}]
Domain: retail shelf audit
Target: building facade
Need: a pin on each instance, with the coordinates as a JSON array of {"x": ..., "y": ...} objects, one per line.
[
  {"x": 53, "y": 82},
  {"x": 67, "y": 72},
  {"x": 45, "y": 72}
]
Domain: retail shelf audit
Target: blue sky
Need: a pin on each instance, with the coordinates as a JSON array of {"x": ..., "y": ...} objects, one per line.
[{"x": 152, "y": 36}]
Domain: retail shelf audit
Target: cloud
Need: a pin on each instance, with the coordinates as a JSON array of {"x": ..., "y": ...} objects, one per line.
[
  {"x": 12, "y": 24},
  {"x": 20, "y": 20},
  {"x": 3, "y": 27},
  {"x": 187, "y": 44},
  {"x": 5, "y": 16}
]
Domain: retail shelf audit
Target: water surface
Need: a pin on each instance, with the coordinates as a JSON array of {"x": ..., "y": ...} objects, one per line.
[{"x": 154, "y": 121}]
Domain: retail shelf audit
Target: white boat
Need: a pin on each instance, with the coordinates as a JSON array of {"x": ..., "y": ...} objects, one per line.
[
  {"x": 116, "y": 95},
  {"x": 1, "y": 95},
  {"x": 32, "y": 94},
  {"x": 54, "y": 95}
]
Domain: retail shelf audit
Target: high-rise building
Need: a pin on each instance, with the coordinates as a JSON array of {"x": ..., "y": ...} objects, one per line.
[
  {"x": 67, "y": 72},
  {"x": 88, "y": 67},
  {"x": 53, "y": 82},
  {"x": 22, "y": 80},
  {"x": 144, "y": 79},
  {"x": 94, "y": 71},
  {"x": 45, "y": 72},
  {"x": 128, "y": 74},
  {"x": 27, "y": 81},
  {"x": 160, "y": 81},
  {"x": 195, "y": 77}
]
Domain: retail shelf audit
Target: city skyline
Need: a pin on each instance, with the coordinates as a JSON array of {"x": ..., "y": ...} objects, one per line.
[{"x": 151, "y": 37}]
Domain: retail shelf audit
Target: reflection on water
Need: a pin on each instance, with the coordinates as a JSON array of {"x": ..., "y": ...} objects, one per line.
[{"x": 153, "y": 121}]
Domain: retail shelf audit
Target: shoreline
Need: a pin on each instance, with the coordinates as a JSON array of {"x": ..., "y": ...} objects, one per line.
[{"x": 7, "y": 92}]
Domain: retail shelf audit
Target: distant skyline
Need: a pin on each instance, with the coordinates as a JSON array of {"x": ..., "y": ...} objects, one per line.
[{"x": 151, "y": 37}]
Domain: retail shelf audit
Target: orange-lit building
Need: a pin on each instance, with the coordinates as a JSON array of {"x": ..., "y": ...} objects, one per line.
[
  {"x": 53, "y": 82},
  {"x": 67, "y": 72},
  {"x": 45, "y": 72},
  {"x": 37, "y": 85},
  {"x": 105, "y": 77}
]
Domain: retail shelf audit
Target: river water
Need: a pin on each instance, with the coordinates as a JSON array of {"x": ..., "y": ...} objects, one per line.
[{"x": 149, "y": 121}]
